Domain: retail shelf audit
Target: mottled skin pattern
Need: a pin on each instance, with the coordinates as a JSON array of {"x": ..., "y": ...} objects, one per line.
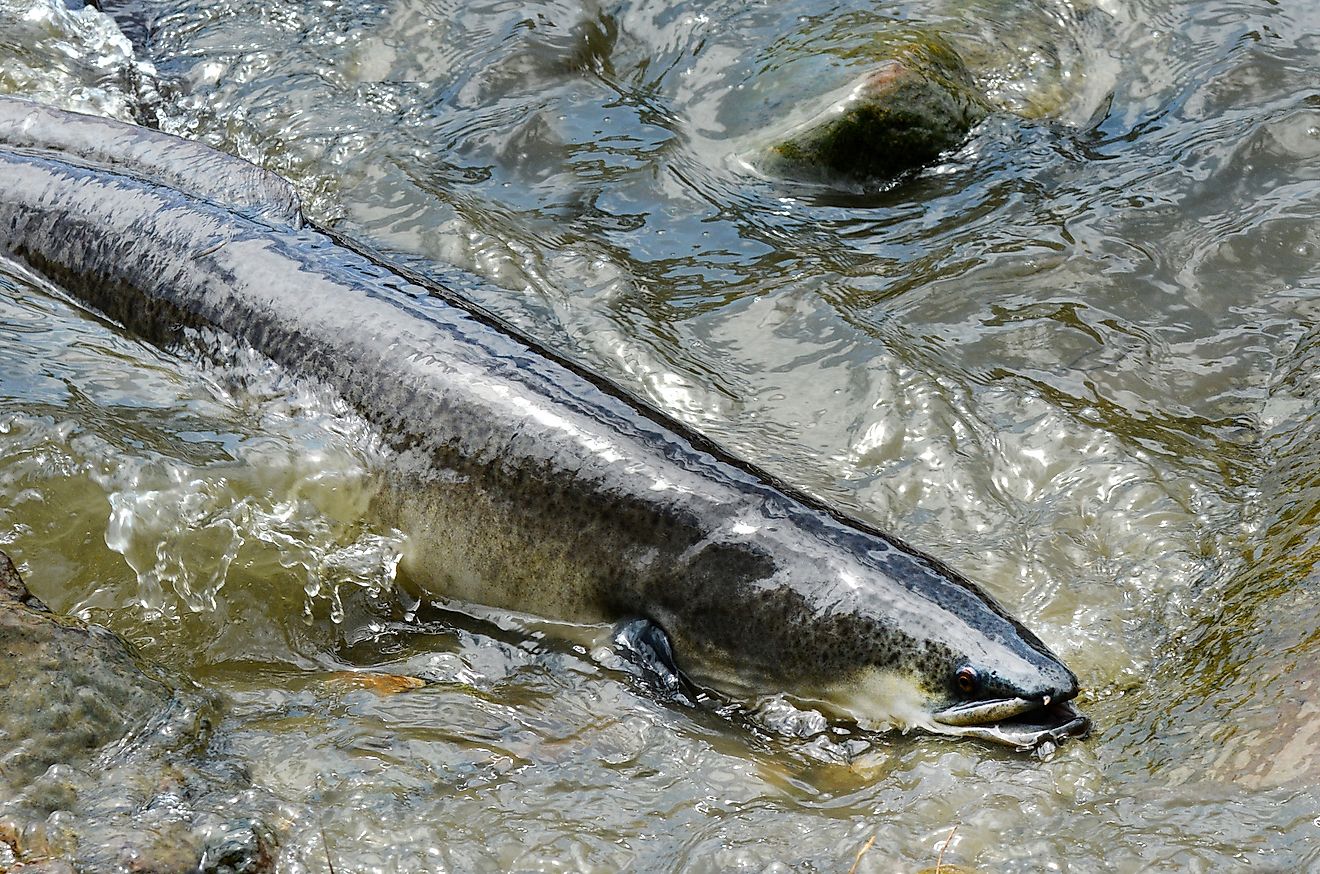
[{"x": 522, "y": 482}]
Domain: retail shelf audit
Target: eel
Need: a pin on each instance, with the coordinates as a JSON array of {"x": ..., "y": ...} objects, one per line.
[{"x": 522, "y": 481}]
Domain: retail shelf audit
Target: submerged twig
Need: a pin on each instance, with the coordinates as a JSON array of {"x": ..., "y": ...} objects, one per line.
[
  {"x": 325, "y": 845},
  {"x": 939, "y": 860},
  {"x": 862, "y": 852}
]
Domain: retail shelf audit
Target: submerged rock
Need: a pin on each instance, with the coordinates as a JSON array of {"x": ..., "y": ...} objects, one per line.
[
  {"x": 12, "y": 588},
  {"x": 102, "y": 757},
  {"x": 913, "y": 106}
]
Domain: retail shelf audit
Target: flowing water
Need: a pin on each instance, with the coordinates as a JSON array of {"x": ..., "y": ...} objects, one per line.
[{"x": 1077, "y": 360}]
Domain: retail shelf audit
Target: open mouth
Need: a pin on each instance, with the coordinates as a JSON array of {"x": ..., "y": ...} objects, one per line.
[{"x": 1022, "y": 723}]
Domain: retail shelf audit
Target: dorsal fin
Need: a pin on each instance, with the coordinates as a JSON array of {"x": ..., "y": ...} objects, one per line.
[{"x": 190, "y": 167}]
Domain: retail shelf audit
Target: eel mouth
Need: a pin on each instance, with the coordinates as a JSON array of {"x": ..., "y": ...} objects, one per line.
[{"x": 1022, "y": 723}]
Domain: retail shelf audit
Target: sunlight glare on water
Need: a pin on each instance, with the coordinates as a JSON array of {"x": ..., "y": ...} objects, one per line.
[
  {"x": 135, "y": 483},
  {"x": 1076, "y": 361}
]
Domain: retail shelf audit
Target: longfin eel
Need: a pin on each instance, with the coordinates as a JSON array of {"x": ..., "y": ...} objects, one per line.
[{"x": 526, "y": 483}]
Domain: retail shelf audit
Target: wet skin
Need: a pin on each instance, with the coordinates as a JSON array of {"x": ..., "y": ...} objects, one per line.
[{"x": 523, "y": 482}]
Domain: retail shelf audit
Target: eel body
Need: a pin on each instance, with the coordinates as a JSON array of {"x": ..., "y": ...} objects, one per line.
[{"x": 522, "y": 481}]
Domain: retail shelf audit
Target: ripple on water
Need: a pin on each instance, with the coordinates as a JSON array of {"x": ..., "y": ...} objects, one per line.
[
  {"x": 192, "y": 479},
  {"x": 1074, "y": 360},
  {"x": 73, "y": 58}
]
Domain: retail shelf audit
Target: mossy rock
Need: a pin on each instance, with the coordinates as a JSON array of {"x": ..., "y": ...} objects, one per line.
[{"x": 913, "y": 106}]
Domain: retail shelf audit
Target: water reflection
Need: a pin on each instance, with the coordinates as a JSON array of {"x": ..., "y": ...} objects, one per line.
[
  {"x": 1252, "y": 694},
  {"x": 1075, "y": 360}
]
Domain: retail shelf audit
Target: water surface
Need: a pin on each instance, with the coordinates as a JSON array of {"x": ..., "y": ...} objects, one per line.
[{"x": 1076, "y": 360}]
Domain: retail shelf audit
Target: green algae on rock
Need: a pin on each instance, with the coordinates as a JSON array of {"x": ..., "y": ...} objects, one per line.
[
  {"x": 102, "y": 757},
  {"x": 914, "y": 106}
]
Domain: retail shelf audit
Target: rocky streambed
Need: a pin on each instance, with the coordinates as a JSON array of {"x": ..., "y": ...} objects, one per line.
[{"x": 107, "y": 761}]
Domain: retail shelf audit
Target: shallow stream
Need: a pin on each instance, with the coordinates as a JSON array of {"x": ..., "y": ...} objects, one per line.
[{"x": 1077, "y": 360}]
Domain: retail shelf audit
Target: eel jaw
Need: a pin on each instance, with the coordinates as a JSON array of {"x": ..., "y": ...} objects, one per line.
[{"x": 1023, "y": 723}]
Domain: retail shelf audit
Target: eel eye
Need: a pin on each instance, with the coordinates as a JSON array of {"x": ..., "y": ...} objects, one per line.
[{"x": 968, "y": 679}]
